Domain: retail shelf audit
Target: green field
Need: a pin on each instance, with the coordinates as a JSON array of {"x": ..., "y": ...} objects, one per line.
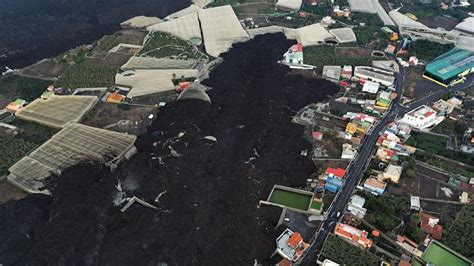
[
  {"x": 12, "y": 87},
  {"x": 13, "y": 149},
  {"x": 441, "y": 256},
  {"x": 290, "y": 199},
  {"x": 87, "y": 76},
  {"x": 161, "y": 45}
]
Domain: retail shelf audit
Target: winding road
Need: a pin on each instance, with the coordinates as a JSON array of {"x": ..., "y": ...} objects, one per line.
[{"x": 357, "y": 166}]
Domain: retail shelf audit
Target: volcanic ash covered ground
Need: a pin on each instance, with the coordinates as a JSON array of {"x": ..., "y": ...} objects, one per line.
[{"x": 208, "y": 209}]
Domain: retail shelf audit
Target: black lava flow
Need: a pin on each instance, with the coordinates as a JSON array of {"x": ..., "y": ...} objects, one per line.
[{"x": 208, "y": 209}]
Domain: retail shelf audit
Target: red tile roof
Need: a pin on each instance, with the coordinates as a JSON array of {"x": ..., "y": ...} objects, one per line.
[
  {"x": 436, "y": 231},
  {"x": 295, "y": 240},
  {"x": 338, "y": 172},
  {"x": 428, "y": 113}
]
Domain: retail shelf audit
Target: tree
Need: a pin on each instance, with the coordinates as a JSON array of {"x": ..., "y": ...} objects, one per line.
[{"x": 415, "y": 219}]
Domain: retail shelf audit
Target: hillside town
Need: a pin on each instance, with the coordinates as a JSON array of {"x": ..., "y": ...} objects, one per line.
[{"x": 393, "y": 148}]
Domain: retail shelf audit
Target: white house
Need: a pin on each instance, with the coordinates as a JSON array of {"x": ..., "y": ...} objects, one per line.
[{"x": 422, "y": 117}]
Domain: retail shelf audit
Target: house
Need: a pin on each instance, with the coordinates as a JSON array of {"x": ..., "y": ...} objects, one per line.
[
  {"x": 16, "y": 105},
  {"x": 334, "y": 179},
  {"x": 332, "y": 73},
  {"x": 294, "y": 56},
  {"x": 290, "y": 245},
  {"x": 415, "y": 203},
  {"x": 348, "y": 152},
  {"x": 443, "y": 107},
  {"x": 375, "y": 186},
  {"x": 429, "y": 224},
  {"x": 393, "y": 173},
  {"x": 408, "y": 245},
  {"x": 464, "y": 198},
  {"x": 115, "y": 98},
  {"x": 421, "y": 118},
  {"x": 356, "y": 206},
  {"x": 346, "y": 72},
  {"x": 335, "y": 172},
  {"x": 317, "y": 135},
  {"x": 371, "y": 87},
  {"x": 354, "y": 235}
]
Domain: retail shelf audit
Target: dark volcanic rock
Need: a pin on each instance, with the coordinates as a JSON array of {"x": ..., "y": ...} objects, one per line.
[
  {"x": 32, "y": 30},
  {"x": 209, "y": 214}
]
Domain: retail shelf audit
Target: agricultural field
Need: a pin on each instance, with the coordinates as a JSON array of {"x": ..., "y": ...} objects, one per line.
[
  {"x": 436, "y": 145},
  {"x": 427, "y": 50},
  {"x": 125, "y": 36},
  {"x": 161, "y": 45},
  {"x": 382, "y": 212},
  {"x": 13, "y": 86},
  {"x": 13, "y": 149},
  {"x": 460, "y": 236},
  {"x": 87, "y": 76}
]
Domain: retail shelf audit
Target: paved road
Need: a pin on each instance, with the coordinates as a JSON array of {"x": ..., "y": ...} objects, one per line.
[{"x": 357, "y": 166}]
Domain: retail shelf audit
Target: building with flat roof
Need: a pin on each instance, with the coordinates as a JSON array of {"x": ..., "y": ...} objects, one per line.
[
  {"x": 422, "y": 117},
  {"x": 332, "y": 73},
  {"x": 450, "y": 67},
  {"x": 290, "y": 245},
  {"x": 415, "y": 203},
  {"x": 356, "y": 206},
  {"x": 383, "y": 77},
  {"x": 375, "y": 186},
  {"x": 371, "y": 87},
  {"x": 393, "y": 173}
]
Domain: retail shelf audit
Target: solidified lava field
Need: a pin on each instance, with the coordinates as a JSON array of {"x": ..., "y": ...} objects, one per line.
[{"x": 209, "y": 214}]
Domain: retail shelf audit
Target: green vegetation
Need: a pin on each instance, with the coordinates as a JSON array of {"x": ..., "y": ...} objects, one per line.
[
  {"x": 430, "y": 11},
  {"x": 316, "y": 205},
  {"x": 322, "y": 55},
  {"x": 382, "y": 211},
  {"x": 448, "y": 126},
  {"x": 460, "y": 236},
  {"x": 368, "y": 19},
  {"x": 436, "y": 145},
  {"x": 428, "y": 50},
  {"x": 432, "y": 160},
  {"x": 33, "y": 132},
  {"x": 12, "y": 87},
  {"x": 365, "y": 34},
  {"x": 414, "y": 233},
  {"x": 162, "y": 45},
  {"x": 79, "y": 57},
  {"x": 13, "y": 149},
  {"x": 84, "y": 75},
  {"x": 439, "y": 255},
  {"x": 108, "y": 42},
  {"x": 344, "y": 253},
  {"x": 318, "y": 9}
]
